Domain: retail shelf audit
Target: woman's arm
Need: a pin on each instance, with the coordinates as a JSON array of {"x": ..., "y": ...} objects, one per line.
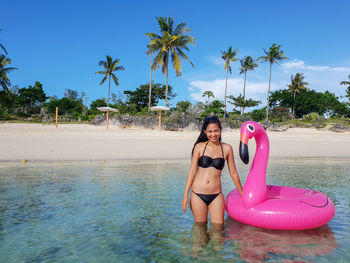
[
  {"x": 190, "y": 178},
  {"x": 232, "y": 169}
]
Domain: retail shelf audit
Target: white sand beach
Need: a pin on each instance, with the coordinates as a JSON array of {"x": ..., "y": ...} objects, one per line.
[{"x": 79, "y": 142}]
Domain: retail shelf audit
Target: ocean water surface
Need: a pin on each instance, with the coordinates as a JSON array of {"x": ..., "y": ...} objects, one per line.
[{"x": 131, "y": 212}]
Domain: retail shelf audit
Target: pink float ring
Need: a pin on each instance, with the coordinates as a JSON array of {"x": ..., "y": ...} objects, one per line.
[{"x": 269, "y": 206}]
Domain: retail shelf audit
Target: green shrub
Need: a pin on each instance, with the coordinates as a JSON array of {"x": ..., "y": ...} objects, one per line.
[
  {"x": 83, "y": 117},
  {"x": 3, "y": 114},
  {"x": 257, "y": 115},
  {"x": 313, "y": 116},
  {"x": 90, "y": 117},
  {"x": 279, "y": 114}
]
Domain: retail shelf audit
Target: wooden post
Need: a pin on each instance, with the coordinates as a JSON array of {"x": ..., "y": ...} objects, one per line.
[
  {"x": 107, "y": 119},
  {"x": 160, "y": 120},
  {"x": 56, "y": 117}
]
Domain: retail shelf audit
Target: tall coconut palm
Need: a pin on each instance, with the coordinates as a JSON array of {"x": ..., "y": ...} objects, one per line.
[
  {"x": 2, "y": 47},
  {"x": 4, "y": 80},
  {"x": 172, "y": 42},
  {"x": 274, "y": 55},
  {"x": 208, "y": 94},
  {"x": 297, "y": 83},
  {"x": 149, "y": 51},
  {"x": 247, "y": 63},
  {"x": 348, "y": 88},
  {"x": 110, "y": 67},
  {"x": 228, "y": 56}
]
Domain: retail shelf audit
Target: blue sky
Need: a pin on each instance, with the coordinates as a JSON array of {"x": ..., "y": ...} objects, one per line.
[{"x": 60, "y": 43}]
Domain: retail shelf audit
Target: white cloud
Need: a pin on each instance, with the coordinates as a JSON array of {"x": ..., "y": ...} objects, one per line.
[
  {"x": 255, "y": 90},
  {"x": 320, "y": 78},
  {"x": 299, "y": 64},
  {"x": 293, "y": 64}
]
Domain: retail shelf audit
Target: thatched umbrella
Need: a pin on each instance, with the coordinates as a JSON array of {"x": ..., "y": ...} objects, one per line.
[
  {"x": 107, "y": 109},
  {"x": 159, "y": 108}
]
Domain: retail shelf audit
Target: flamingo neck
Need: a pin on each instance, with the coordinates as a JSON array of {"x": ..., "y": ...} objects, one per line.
[{"x": 254, "y": 190}]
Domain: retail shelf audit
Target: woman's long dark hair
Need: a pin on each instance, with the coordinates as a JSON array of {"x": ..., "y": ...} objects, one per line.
[{"x": 202, "y": 136}]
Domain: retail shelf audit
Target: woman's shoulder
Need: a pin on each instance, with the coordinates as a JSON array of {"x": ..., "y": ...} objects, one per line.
[
  {"x": 200, "y": 146},
  {"x": 226, "y": 146}
]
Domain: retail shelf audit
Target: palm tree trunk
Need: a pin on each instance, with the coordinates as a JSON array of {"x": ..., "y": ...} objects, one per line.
[
  {"x": 294, "y": 106},
  {"x": 150, "y": 85},
  {"x": 109, "y": 89},
  {"x": 245, "y": 80},
  {"x": 225, "y": 91},
  {"x": 268, "y": 96},
  {"x": 166, "y": 87}
]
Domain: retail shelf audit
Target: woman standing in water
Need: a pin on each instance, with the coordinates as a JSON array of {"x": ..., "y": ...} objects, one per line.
[{"x": 208, "y": 160}]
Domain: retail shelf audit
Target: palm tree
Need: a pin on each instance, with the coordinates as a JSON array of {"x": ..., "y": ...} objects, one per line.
[
  {"x": 149, "y": 52},
  {"x": 110, "y": 67},
  {"x": 4, "y": 80},
  {"x": 2, "y": 47},
  {"x": 208, "y": 94},
  {"x": 348, "y": 88},
  {"x": 297, "y": 83},
  {"x": 172, "y": 40},
  {"x": 274, "y": 55},
  {"x": 247, "y": 63},
  {"x": 228, "y": 56}
]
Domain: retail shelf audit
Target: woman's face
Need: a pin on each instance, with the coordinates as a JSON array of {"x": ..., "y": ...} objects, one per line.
[{"x": 213, "y": 132}]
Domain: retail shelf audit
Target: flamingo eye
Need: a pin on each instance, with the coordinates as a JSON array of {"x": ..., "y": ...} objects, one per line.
[{"x": 251, "y": 128}]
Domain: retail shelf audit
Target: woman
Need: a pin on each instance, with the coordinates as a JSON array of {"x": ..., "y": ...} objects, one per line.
[{"x": 208, "y": 160}]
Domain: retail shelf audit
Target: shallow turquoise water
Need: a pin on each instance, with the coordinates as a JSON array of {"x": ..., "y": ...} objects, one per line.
[{"x": 112, "y": 212}]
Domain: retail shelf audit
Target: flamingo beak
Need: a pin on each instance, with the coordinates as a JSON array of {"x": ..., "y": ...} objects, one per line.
[{"x": 243, "y": 148}]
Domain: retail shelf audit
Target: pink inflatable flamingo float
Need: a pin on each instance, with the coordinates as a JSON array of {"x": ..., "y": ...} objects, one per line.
[{"x": 270, "y": 206}]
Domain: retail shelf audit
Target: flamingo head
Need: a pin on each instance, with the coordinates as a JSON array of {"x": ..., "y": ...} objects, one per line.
[{"x": 248, "y": 130}]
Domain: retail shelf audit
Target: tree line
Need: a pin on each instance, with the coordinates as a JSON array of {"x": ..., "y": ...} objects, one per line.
[{"x": 171, "y": 45}]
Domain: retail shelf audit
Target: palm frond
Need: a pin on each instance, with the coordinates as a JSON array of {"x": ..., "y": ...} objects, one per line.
[
  {"x": 162, "y": 22},
  {"x": 109, "y": 61},
  {"x": 179, "y": 29},
  {"x": 170, "y": 25},
  {"x": 119, "y": 68},
  {"x": 157, "y": 61},
  {"x": 115, "y": 79},
  {"x": 3, "y": 48},
  {"x": 101, "y": 72},
  {"x": 176, "y": 63},
  {"x": 152, "y": 35},
  {"x": 102, "y": 63},
  {"x": 345, "y": 82},
  {"x": 103, "y": 80},
  {"x": 7, "y": 70},
  {"x": 183, "y": 55}
]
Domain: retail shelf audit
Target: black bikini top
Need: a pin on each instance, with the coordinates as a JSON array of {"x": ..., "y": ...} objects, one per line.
[{"x": 206, "y": 161}]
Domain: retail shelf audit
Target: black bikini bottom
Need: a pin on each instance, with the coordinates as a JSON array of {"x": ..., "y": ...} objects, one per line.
[{"x": 207, "y": 198}]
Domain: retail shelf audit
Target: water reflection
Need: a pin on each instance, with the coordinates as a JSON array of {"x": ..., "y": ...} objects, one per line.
[
  {"x": 258, "y": 244},
  {"x": 204, "y": 241}
]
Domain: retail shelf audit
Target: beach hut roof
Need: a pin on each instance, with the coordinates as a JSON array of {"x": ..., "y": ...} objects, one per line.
[
  {"x": 159, "y": 108},
  {"x": 107, "y": 109}
]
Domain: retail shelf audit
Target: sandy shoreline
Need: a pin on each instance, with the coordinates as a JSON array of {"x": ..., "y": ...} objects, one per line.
[{"x": 82, "y": 142}]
